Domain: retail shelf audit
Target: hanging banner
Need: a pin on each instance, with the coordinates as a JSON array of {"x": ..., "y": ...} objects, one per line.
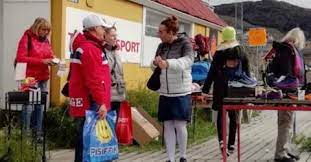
[{"x": 129, "y": 33}]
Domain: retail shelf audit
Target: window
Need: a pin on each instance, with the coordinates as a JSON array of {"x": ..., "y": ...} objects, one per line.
[
  {"x": 153, "y": 19},
  {"x": 151, "y": 39},
  {"x": 74, "y": 1}
]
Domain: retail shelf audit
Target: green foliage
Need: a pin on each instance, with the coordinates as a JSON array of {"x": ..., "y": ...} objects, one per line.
[
  {"x": 21, "y": 150},
  {"x": 303, "y": 142},
  {"x": 142, "y": 97},
  {"x": 306, "y": 145},
  {"x": 60, "y": 128}
]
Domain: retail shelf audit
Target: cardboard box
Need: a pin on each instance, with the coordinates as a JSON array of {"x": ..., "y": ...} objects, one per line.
[
  {"x": 143, "y": 131},
  {"x": 152, "y": 120}
]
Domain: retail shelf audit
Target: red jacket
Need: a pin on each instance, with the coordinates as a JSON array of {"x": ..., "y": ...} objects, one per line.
[
  {"x": 34, "y": 56},
  {"x": 89, "y": 75}
]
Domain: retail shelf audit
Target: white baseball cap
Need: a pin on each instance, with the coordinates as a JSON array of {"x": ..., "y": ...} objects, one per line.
[{"x": 93, "y": 21}]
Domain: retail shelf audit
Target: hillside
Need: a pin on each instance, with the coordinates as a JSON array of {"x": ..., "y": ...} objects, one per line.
[{"x": 273, "y": 14}]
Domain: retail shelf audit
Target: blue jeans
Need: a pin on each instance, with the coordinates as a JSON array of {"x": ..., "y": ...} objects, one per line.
[{"x": 32, "y": 116}]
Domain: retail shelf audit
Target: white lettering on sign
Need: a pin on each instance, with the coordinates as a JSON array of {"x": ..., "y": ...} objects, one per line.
[
  {"x": 100, "y": 151},
  {"x": 129, "y": 33},
  {"x": 76, "y": 102},
  {"x": 123, "y": 120},
  {"x": 128, "y": 46}
]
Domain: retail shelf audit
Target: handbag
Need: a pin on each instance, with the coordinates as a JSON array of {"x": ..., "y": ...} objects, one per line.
[
  {"x": 154, "y": 81},
  {"x": 65, "y": 89}
]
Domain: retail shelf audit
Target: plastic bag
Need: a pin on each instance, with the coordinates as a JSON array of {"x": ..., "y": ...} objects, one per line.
[
  {"x": 124, "y": 128},
  {"x": 99, "y": 138}
]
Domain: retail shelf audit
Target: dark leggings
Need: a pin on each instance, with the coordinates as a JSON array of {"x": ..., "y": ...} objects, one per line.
[
  {"x": 233, "y": 116},
  {"x": 79, "y": 122},
  {"x": 116, "y": 106}
]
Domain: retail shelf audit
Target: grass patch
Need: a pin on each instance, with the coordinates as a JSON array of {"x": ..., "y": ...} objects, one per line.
[
  {"x": 303, "y": 142},
  {"x": 255, "y": 113},
  {"x": 142, "y": 97},
  {"x": 204, "y": 130},
  {"x": 148, "y": 100}
]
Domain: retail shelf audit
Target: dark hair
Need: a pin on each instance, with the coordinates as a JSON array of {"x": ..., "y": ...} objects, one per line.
[
  {"x": 233, "y": 54},
  {"x": 171, "y": 24}
]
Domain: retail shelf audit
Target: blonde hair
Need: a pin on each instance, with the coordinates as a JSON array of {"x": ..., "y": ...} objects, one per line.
[
  {"x": 297, "y": 36},
  {"x": 40, "y": 23}
]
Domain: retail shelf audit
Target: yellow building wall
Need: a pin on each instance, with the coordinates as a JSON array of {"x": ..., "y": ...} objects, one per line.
[
  {"x": 207, "y": 31},
  {"x": 134, "y": 74},
  {"x": 199, "y": 29},
  {"x": 57, "y": 39},
  {"x": 116, "y": 8}
]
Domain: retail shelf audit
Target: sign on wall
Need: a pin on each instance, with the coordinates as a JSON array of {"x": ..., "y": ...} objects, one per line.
[{"x": 129, "y": 33}]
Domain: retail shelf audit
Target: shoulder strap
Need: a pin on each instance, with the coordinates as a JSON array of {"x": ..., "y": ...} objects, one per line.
[
  {"x": 28, "y": 43},
  {"x": 69, "y": 73},
  {"x": 114, "y": 64}
]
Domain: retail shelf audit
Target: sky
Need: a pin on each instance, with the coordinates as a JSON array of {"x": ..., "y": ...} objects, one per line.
[{"x": 301, "y": 3}]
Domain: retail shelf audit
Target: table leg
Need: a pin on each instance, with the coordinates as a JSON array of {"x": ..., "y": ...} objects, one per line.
[
  {"x": 194, "y": 117},
  {"x": 44, "y": 133},
  {"x": 294, "y": 125},
  {"x": 224, "y": 134},
  {"x": 239, "y": 139}
]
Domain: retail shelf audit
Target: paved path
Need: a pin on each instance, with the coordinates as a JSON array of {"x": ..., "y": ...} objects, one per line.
[{"x": 257, "y": 144}]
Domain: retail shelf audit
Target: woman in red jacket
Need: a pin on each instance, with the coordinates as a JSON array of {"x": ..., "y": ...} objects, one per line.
[{"x": 35, "y": 49}]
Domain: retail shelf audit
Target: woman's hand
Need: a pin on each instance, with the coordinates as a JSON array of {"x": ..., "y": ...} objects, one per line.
[
  {"x": 163, "y": 64},
  {"x": 157, "y": 60},
  {"x": 47, "y": 61}
]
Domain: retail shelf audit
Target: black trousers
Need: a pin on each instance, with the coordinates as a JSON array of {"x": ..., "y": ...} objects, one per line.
[
  {"x": 79, "y": 123},
  {"x": 233, "y": 117}
]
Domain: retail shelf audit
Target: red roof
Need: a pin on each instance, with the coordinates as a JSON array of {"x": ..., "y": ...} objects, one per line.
[{"x": 195, "y": 8}]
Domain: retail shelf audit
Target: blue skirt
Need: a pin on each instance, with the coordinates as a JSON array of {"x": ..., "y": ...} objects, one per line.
[{"x": 174, "y": 108}]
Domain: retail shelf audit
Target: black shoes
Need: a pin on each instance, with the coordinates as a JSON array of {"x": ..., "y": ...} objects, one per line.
[
  {"x": 221, "y": 145},
  {"x": 182, "y": 160},
  {"x": 293, "y": 156},
  {"x": 290, "y": 158},
  {"x": 231, "y": 149},
  {"x": 285, "y": 159}
]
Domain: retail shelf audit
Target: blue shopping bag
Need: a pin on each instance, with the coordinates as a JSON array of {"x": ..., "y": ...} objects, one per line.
[{"x": 99, "y": 139}]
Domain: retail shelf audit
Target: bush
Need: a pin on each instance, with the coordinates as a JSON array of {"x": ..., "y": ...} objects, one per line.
[
  {"x": 60, "y": 128},
  {"x": 142, "y": 97},
  {"x": 19, "y": 150}
]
